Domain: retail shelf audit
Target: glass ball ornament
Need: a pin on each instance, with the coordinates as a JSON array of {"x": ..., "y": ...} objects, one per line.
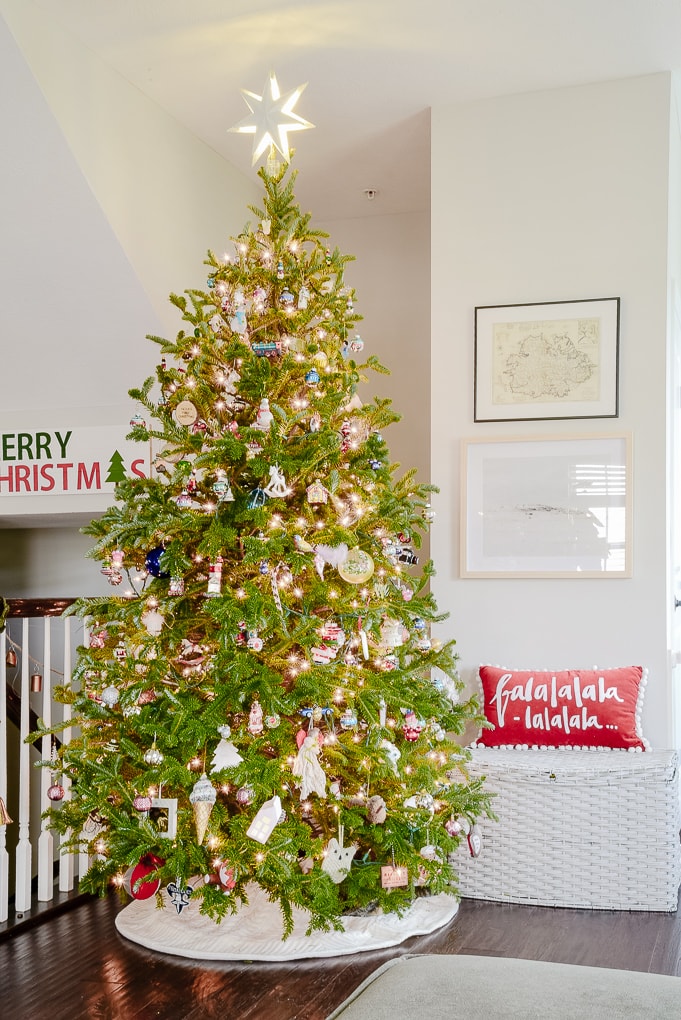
[
  {"x": 453, "y": 827},
  {"x": 109, "y": 696},
  {"x": 142, "y": 802},
  {"x": 245, "y": 795},
  {"x": 152, "y": 562},
  {"x": 412, "y": 727},
  {"x": 357, "y": 567},
  {"x": 153, "y": 756},
  {"x": 56, "y": 792}
]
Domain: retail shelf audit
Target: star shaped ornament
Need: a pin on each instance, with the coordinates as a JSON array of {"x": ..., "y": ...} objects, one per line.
[{"x": 271, "y": 118}]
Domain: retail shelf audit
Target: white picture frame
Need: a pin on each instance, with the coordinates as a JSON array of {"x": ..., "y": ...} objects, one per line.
[
  {"x": 163, "y": 816},
  {"x": 548, "y": 360},
  {"x": 547, "y": 507}
]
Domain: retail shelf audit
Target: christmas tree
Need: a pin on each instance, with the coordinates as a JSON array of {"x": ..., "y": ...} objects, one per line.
[{"x": 265, "y": 703}]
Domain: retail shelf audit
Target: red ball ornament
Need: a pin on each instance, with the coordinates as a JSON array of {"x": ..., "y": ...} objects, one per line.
[
  {"x": 140, "y": 890},
  {"x": 56, "y": 792}
]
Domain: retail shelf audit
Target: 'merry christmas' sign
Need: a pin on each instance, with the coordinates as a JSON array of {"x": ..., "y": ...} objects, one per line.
[{"x": 78, "y": 460}]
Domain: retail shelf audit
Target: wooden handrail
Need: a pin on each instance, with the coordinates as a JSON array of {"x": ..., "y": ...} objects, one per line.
[{"x": 38, "y": 607}]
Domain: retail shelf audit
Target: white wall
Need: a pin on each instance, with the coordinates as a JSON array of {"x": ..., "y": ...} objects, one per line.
[
  {"x": 167, "y": 196},
  {"x": 107, "y": 206},
  {"x": 546, "y": 197},
  {"x": 391, "y": 276},
  {"x": 674, "y": 406},
  {"x": 49, "y": 563},
  {"x": 72, "y": 311}
]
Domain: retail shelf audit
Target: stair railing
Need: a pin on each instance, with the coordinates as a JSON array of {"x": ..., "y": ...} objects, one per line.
[{"x": 37, "y": 648}]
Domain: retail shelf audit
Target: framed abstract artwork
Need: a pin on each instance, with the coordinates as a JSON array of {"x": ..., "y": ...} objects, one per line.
[{"x": 546, "y": 507}]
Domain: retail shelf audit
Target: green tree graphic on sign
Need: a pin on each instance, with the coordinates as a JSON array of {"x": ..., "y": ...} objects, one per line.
[{"x": 116, "y": 468}]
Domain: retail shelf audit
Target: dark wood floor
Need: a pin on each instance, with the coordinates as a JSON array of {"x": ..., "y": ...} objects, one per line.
[{"x": 76, "y": 965}]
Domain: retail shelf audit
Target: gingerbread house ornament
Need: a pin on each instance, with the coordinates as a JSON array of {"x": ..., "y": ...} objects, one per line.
[{"x": 317, "y": 493}]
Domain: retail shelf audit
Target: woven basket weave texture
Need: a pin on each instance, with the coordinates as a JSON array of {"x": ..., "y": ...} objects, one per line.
[{"x": 577, "y": 829}]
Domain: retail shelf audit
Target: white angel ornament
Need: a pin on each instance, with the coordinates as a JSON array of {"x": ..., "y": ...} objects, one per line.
[{"x": 307, "y": 766}]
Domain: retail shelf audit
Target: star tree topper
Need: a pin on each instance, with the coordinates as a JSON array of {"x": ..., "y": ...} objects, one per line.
[{"x": 271, "y": 118}]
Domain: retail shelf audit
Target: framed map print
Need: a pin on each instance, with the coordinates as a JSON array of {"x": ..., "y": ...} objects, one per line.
[
  {"x": 547, "y": 360},
  {"x": 546, "y": 507}
]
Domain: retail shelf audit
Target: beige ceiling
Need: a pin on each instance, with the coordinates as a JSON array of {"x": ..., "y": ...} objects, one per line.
[{"x": 374, "y": 68}]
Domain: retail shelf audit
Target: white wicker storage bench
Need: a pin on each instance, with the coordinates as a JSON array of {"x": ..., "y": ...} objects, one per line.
[{"x": 577, "y": 829}]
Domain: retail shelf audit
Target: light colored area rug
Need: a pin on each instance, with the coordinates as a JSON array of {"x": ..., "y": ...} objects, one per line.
[
  {"x": 255, "y": 931},
  {"x": 480, "y": 987}
]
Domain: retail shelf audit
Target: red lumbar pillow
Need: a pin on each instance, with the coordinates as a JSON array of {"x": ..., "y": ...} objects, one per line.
[{"x": 591, "y": 708}]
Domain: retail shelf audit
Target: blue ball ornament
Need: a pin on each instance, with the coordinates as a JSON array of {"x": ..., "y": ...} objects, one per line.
[
  {"x": 152, "y": 562},
  {"x": 312, "y": 376}
]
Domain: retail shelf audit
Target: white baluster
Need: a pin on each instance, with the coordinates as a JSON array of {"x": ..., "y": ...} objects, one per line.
[
  {"x": 66, "y": 859},
  {"x": 83, "y": 856},
  {"x": 4, "y": 856},
  {"x": 46, "y": 840},
  {"x": 23, "y": 853}
]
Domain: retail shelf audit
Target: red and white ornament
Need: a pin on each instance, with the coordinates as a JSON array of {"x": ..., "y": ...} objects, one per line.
[
  {"x": 475, "y": 841},
  {"x": 255, "y": 723},
  {"x": 453, "y": 827},
  {"x": 264, "y": 417},
  {"x": 332, "y": 633},
  {"x": 254, "y": 642},
  {"x": 223, "y": 876},
  {"x": 215, "y": 578},
  {"x": 322, "y": 655}
]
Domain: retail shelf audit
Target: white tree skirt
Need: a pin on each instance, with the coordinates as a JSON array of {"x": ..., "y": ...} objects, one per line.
[{"x": 255, "y": 931}]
